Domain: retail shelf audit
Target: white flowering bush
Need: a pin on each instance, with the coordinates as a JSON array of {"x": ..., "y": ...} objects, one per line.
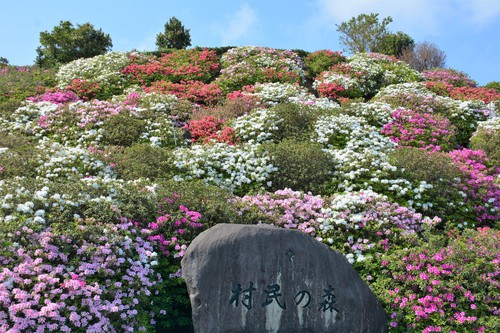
[
  {"x": 375, "y": 113},
  {"x": 240, "y": 169},
  {"x": 273, "y": 93},
  {"x": 248, "y": 65},
  {"x": 25, "y": 117},
  {"x": 105, "y": 70},
  {"x": 257, "y": 127}
]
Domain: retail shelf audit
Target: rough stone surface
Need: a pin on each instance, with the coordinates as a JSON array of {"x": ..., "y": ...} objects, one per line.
[{"x": 264, "y": 279}]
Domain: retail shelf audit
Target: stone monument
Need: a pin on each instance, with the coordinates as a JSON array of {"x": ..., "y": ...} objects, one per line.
[{"x": 264, "y": 279}]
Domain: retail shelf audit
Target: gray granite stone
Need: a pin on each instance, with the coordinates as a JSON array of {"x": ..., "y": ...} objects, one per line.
[{"x": 264, "y": 279}]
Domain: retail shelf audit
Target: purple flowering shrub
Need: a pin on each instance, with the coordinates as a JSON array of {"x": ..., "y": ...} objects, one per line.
[
  {"x": 478, "y": 182},
  {"x": 284, "y": 208},
  {"x": 86, "y": 276},
  {"x": 439, "y": 287},
  {"x": 449, "y": 76},
  {"x": 422, "y": 130}
]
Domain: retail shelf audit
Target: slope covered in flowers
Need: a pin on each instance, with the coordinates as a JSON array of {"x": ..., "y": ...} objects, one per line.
[{"x": 112, "y": 165}]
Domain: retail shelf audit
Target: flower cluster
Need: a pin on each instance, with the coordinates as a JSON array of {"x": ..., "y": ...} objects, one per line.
[
  {"x": 422, "y": 292},
  {"x": 104, "y": 70},
  {"x": 424, "y": 130},
  {"x": 285, "y": 208},
  {"x": 479, "y": 184},
  {"x": 239, "y": 169},
  {"x": 322, "y": 60},
  {"x": 100, "y": 277},
  {"x": 56, "y": 97},
  {"x": 194, "y": 91},
  {"x": 248, "y": 65},
  {"x": 375, "y": 113},
  {"x": 180, "y": 65},
  {"x": 361, "y": 224},
  {"x": 257, "y": 127},
  {"x": 208, "y": 128},
  {"x": 449, "y": 76}
]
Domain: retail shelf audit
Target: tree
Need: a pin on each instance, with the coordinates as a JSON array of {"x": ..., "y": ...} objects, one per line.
[
  {"x": 66, "y": 43},
  {"x": 363, "y": 33},
  {"x": 175, "y": 36},
  {"x": 424, "y": 56},
  {"x": 395, "y": 43},
  {"x": 4, "y": 62}
]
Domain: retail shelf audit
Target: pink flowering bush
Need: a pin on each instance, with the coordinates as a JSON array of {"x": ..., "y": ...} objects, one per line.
[
  {"x": 84, "y": 89},
  {"x": 478, "y": 182},
  {"x": 55, "y": 96},
  {"x": 468, "y": 93},
  {"x": 180, "y": 65},
  {"x": 97, "y": 277},
  {"x": 443, "y": 286},
  {"x": 285, "y": 208},
  {"x": 449, "y": 76},
  {"x": 423, "y": 130}
]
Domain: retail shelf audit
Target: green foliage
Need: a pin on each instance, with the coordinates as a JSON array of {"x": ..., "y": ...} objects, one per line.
[
  {"x": 3, "y": 62},
  {"x": 66, "y": 43},
  {"x": 122, "y": 129},
  {"x": 174, "y": 37},
  {"x": 297, "y": 121},
  {"x": 395, "y": 43},
  {"x": 363, "y": 33},
  {"x": 493, "y": 85},
  {"x": 487, "y": 140},
  {"x": 321, "y": 61},
  {"x": 296, "y": 169},
  {"x": 142, "y": 161},
  {"x": 18, "y": 83},
  {"x": 19, "y": 158}
]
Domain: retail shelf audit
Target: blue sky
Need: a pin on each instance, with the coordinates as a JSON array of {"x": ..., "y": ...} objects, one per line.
[{"x": 467, "y": 30}]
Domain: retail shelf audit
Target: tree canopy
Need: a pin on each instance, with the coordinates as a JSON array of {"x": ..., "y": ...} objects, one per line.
[
  {"x": 363, "y": 33},
  {"x": 424, "y": 56},
  {"x": 174, "y": 37},
  {"x": 66, "y": 43}
]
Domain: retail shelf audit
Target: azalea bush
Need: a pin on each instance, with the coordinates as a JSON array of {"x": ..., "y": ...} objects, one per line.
[
  {"x": 104, "y": 70},
  {"x": 180, "y": 65},
  {"x": 443, "y": 286},
  {"x": 449, "y": 76},
  {"x": 20, "y": 82},
  {"x": 424, "y": 130},
  {"x": 322, "y": 60},
  {"x": 487, "y": 138},
  {"x": 241, "y": 169},
  {"x": 194, "y": 91},
  {"x": 248, "y": 65}
]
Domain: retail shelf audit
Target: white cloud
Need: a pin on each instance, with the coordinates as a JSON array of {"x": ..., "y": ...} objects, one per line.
[{"x": 239, "y": 26}]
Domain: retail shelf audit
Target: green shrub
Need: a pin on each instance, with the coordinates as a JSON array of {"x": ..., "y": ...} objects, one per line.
[
  {"x": 487, "y": 139},
  {"x": 122, "y": 129},
  {"x": 143, "y": 161},
  {"x": 493, "y": 85},
  {"x": 297, "y": 121},
  {"x": 19, "y": 158},
  {"x": 19, "y": 83},
  {"x": 302, "y": 166}
]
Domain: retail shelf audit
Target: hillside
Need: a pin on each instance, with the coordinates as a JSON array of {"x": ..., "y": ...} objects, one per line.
[{"x": 111, "y": 165}]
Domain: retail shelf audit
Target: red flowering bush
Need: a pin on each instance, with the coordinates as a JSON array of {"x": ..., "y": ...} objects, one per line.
[
  {"x": 84, "y": 89},
  {"x": 468, "y": 93},
  {"x": 423, "y": 130},
  {"x": 180, "y": 65},
  {"x": 208, "y": 128},
  {"x": 194, "y": 91},
  {"x": 441, "y": 287}
]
